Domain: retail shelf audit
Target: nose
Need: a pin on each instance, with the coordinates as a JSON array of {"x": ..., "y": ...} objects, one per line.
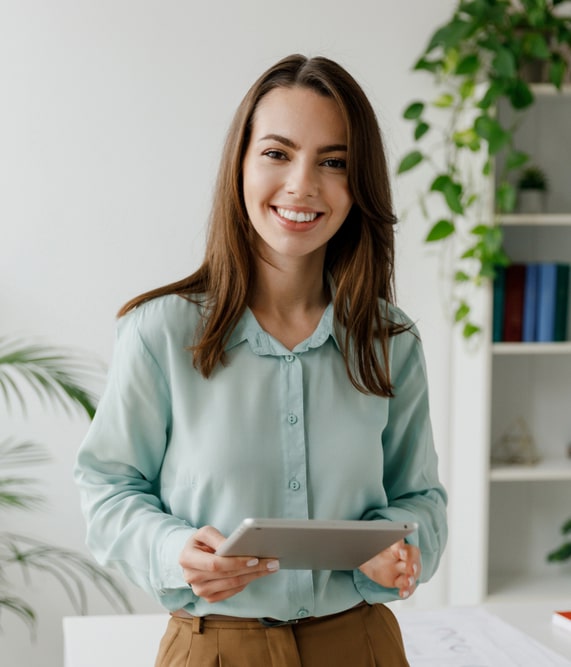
[{"x": 302, "y": 179}]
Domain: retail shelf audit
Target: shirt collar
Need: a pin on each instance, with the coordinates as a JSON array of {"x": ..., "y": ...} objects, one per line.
[{"x": 262, "y": 343}]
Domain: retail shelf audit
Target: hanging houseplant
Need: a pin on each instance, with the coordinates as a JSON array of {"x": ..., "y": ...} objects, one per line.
[{"x": 479, "y": 59}]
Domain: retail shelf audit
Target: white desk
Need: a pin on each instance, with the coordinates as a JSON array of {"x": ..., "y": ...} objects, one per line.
[{"x": 117, "y": 641}]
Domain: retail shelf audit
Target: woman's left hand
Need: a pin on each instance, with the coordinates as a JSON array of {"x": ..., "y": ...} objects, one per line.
[{"x": 396, "y": 567}]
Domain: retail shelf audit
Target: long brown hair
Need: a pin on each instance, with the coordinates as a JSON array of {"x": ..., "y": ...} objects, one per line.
[{"x": 360, "y": 257}]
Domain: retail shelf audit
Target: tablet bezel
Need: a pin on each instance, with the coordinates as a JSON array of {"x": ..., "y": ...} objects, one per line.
[{"x": 314, "y": 544}]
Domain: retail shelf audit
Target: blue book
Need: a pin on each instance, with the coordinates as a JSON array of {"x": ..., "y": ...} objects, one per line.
[
  {"x": 546, "y": 297},
  {"x": 529, "y": 333}
]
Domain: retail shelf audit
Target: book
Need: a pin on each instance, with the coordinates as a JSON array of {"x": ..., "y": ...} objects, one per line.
[
  {"x": 561, "y": 303},
  {"x": 562, "y": 619},
  {"x": 498, "y": 296},
  {"x": 529, "y": 326},
  {"x": 546, "y": 290},
  {"x": 513, "y": 303}
]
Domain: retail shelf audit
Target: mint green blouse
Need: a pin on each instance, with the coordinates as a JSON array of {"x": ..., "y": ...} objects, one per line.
[{"x": 273, "y": 433}]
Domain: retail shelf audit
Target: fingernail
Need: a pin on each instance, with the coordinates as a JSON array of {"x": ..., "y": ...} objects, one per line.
[
  {"x": 404, "y": 595},
  {"x": 402, "y": 554},
  {"x": 252, "y": 562},
  {"x": 411, "y": 581},
  {"x": 415, "y": 569},
  {"x": 273, "y": 565}
]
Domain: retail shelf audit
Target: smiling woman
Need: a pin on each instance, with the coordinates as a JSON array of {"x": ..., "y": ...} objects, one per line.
[
  {"x": 295, "y": 183},
  {"x": 282, "y": 359}
]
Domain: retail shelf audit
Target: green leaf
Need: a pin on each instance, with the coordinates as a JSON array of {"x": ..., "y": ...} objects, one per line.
[
  {"x": 504, "y": 63},
  {"x": 440, "y": 230},
  {"x": 516, "y": 159},
  {"x": 420, "y": 130},
  {"x": 440, "y": 182},
  {"x": 560, "y": 554},
  {"x": 470, "y": 64},
  {"x": 506, "y": 197},
  {"x": 461, "y": 312},
  {"x": 534, "y": 45},
  {"x": 453, "y": 194},
  {"x": 444, "y": 101},
  {"x": 409, "y": 161},
  {"x": 494, "y": 90},
  {"x": 467, "y": 139},
  {"x": 413, "y": 111},
  {"x": 557, "y": 70},
  {"x": 520, "y": 94},
  {"x": 461, "y": 277},
  {"x": 467, "y": 89},
  {"x": 489, "y": 129},
  {"x": 566, "y": 527},
  {"x": 428, "y": 65},
  {"x": 449, "y": 35},
  {"x": 470, "y": 330},
  {"x": 487, "y": 168}
]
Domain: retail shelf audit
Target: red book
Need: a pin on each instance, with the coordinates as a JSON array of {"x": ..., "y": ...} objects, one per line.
[
  {"x": 513, "y": 303},
  {"x": 562, "y": 619}
]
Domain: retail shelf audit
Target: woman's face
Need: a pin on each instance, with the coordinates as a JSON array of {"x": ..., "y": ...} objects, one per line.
[{"x": 295, "y": 173}]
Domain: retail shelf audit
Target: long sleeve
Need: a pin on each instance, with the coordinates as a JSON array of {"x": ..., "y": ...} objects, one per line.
[
  {"x": 118, "y": 470},
  {"x": 410, "y": 473}
]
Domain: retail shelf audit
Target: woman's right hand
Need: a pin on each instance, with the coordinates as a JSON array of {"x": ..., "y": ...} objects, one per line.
[{"x": 216, "y": 578}]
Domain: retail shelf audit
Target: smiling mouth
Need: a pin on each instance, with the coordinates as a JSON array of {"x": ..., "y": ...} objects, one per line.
[{"x": 296, "y": 216}]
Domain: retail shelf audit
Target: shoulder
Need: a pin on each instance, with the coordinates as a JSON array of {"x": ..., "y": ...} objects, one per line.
[
  {"x": 162, "y": 320},
  {"x": 393, "y": 315}
]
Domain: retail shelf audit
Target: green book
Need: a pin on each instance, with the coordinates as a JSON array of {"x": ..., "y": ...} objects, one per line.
[
  {"x": 499, "y": 291},
  {"x": 561, "y": 302}
]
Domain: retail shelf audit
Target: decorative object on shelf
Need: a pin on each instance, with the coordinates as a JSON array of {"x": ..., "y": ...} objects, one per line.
[
  {"x": 562, "y": 552},
  {"x": 516, "y": 446},
  {"x": 532, "y": 188},
  {"x": 54, "y": 376},
  {"x": 478, "y": 60}
]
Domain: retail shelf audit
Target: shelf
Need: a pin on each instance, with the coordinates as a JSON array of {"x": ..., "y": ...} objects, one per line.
[
  {"x": 546, "y": 470},
  {"x": 535, "y": 219},
  {"x": 511, "y": 587},
  {"x": 547, "y": 89},
  {"x": 531, "y": 348}
]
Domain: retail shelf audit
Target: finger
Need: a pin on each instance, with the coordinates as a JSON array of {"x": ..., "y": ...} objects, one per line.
[{"x": 224, "y": 587}]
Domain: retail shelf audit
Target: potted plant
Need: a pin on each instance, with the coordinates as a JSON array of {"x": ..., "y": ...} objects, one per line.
[
  {"x": 478, "y": 60},
  {"x": 563, "y": 552},
  {"x": 55, "y": 376},
  {"x": 532, "y": 190}
]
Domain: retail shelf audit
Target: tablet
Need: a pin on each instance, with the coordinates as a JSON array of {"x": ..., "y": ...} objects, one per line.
[{"x": 314, "y": 544}]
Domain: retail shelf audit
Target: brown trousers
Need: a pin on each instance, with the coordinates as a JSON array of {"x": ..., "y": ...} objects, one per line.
[{"x": 365, "y": 636}]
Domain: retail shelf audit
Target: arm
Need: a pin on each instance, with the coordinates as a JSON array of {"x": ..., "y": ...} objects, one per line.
[{"x": 410, "y": 475}]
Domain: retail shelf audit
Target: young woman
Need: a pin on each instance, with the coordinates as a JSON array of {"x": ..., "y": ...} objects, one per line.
[{"x": 278, "y": 380}]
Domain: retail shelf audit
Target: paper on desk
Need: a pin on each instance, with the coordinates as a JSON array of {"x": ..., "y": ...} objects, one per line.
[{"x": 467, "y": 637}]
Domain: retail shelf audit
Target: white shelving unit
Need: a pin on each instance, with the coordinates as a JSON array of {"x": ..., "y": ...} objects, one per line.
[{"x": 504, "y": 519}]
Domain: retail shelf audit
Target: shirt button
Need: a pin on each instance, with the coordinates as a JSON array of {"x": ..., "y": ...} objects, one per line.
[
  {"x": 289, "y": 358},
  {"x": 294, "y": 485},
  {"x": 303, "y": 613},
  {"x": 292, "y": 419}
]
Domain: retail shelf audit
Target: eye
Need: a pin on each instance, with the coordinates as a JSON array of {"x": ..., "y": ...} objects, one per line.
[
  {"x": 335, "y": 163},
  {"x": 275, "y": 154}
]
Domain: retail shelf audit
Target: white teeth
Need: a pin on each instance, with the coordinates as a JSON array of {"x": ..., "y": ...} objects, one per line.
[{"x": 295, "y": 216}]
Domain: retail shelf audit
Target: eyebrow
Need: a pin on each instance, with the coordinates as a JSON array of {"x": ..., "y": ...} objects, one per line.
[{"x": 291, "y": 144}]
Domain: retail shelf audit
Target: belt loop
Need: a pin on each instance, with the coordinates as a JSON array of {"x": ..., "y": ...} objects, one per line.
[{"x": 197, "y": 625}]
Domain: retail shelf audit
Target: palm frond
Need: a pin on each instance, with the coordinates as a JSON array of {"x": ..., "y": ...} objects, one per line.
[
  {"x": 21, "y": 609},
  {"x": 15, "y": 491},
  {"x": 68, "y": 567},
  {"x": 53, "y": 374},
  {"x": 21, "y": 453}
]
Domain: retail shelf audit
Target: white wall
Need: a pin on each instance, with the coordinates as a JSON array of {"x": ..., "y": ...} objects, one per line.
[{"x": 112, "y": 116}]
